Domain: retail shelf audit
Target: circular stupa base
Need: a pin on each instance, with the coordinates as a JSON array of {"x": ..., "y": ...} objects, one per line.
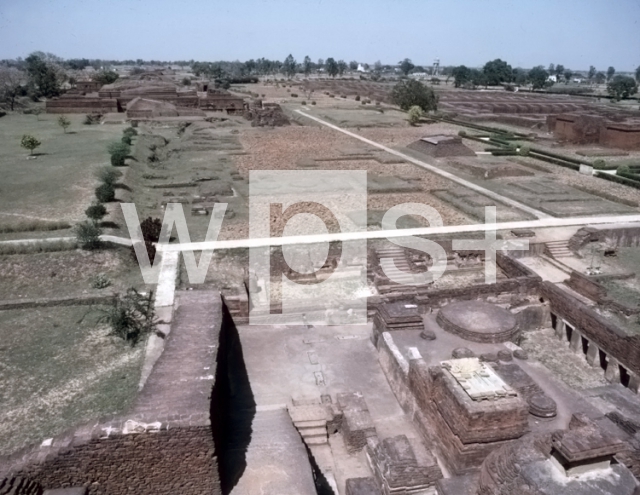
[{"x": 478, "y": 322}]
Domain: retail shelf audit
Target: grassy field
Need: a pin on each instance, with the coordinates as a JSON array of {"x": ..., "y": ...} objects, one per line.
[
  {"x": 65, "y": 273},
  {"x": 60, "y": 368},
  {"x": 59, "y": 183}
]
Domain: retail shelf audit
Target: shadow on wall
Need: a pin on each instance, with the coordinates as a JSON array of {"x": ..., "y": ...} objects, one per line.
[{"x": 232, "y": 406}]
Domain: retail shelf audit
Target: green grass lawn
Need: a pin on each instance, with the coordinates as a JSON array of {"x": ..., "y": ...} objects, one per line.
[
  {"x": 60, "y": 368},
  {"x": 59, "y": 183}
]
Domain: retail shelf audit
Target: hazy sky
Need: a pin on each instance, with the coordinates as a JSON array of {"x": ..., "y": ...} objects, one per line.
[{"x": 575, "y": 33}]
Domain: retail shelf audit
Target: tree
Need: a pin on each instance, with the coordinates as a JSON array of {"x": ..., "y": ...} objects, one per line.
[
  {"x": 43, "y": 80},
  {"x": 622, "y": 87},
  {"x": 342, "y": 66},
  {"x": 96, "y": 212},
  {"x": 409, "y": 92},
  {"x": 186, "y": 81},
  {"x": 520, "y": 76},
  {"x": 132, "y": 316},
  {"x": 105, "y": 193},
  {"x": 11, "y": 85},
  {"x": 289, "y": 66},
  {"x": 377, "y": 70},
  {"x": 592, "y": 73},
  {"x": 559, "y": 71},
  {"x": 406, "y": 66},
  {"x": 353, "y": 65},
  {"x": 461, "y": 75},
  {"x": 551, "y": 69},
  {"x": 88, "y": 235},
  {"x": 106, "y": 77},
  {"x": 306, "y": 65},
  {"x": 415, "y": 114},
  {"x": 638, "y": 74},
  {"x": 600, "y": 78},
  {"x": 497, "y": 71},
  {"x": 610, "y": 72},
  {"x": 478, "y": 78},
  {"x": 29, "y": 143},
  {"x": 332, "y": 67},
  {"x": 568, "y": 74},
  {"x": 64, "y": 123},
  {"x": 538, "y": 77}
]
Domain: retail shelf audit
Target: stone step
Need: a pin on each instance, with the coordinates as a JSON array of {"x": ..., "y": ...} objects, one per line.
[
  {"x": 320, "y": 423},
  {"x": 313, "y": 432},
  {"x": 316, "y": 440}
]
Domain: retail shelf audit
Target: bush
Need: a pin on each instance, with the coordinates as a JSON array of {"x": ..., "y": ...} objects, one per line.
[
  {"x": 64, "y": 122},
  {"x": 151, "y": 228},
  {"x": 303, "y": 102},
  {"x": 108, "y": 175},
  {"x": 409, "y": 93},
  {"x": 294, "y": 95},
  {"x": 105, "y": 193},
  {"x": 524, "y": 150},
  {"x": 599, "y": 164},
  {"x": 357, "y": 97},
  {"x": 462, "y": 133},
  {"x": 117, "y": 160},
  {"x": 313, "y": 102},
  {"x": 119, "y": 147},
  {"x": 88, "y": 235},
  {"x": 186, "y": 81},
  {"x": 92, "y": 119},
  {"x": 415, "y": 114},
  {"x": 96, "y": 212},
  {"x": 33, "y": 226},
  {"x": 130, "y": 131},
  {"x": 126, "y": 139},
  {"x": 29, "y": 143},
  {"x": 100, "y": 281},
  {"x": 132, "y": 316}
]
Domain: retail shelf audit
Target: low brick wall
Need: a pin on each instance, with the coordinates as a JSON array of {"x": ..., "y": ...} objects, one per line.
[
  {"x": 176, "y": 458},
  {"x": 49, "y": 302}
]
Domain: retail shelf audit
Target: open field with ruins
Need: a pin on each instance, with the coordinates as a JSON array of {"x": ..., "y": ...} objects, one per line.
[{"x": 263, "y": 380}]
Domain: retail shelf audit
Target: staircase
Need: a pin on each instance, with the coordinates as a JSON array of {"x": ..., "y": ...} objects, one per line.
[
  {"x": 399, "y": 256},
  {"x": 558, "y": 249},
  {"x": 311, "y": 423}
]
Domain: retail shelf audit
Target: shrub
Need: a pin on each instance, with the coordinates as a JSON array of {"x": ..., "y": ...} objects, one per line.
[
  {"x": 88, "y": 235},
  {"x": 91, "y": 119},
  {"x": 294, "y": 95},
  {"x": 100, "y": 281},
  {"x": 64, "y": 122},
  {"x": 303, "y": 102},
  {"x": 29, "y": 143},
  {"x": 108, "y": 175},
  {"x": 462, "y": 133},
  {"x": 599, "y": 164},
  {"x": 119, "y": 147},
  {"x": 151, "y": 228},
  {"x": 105, "y": 193},
  {"x": 96, "y": 212},
  {"x": 126, "y": 139},
  {"x": 410, "y": 92},
  {"x": 415, "y": 114},
  {"x": 524, "y": 150},
  {"x": 117, "y": 160},
  {"x": 37, "y": 247},
  {"x": 151, "y": 252},
  {"x": 186, "y": 81},
  {"x": 313, "y": 102},
  {"x": 357, "y": 97},
  {"x": 130, "y": 131},
  {"x": 34, "y": 225},
  {"x": 132, "y": 316}
]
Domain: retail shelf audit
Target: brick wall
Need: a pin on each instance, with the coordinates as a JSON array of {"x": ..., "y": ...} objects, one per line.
[{"x": 604, "y": 333}]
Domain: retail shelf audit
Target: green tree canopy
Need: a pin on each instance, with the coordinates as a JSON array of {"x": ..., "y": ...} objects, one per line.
[
  {"x": 43, "y": 79},
  {"x": 638, "y": 74},
  {"x": 538, "y": 77},
  {"x": 29, "y": 143},
  {"x": 461, "y": 75},
  {"x": 342, "y": 66},
  {"x": 406, "y": 66},
  {"x": 497, "y": 71},
  {"x": 106, "y": 77},
  {"x": 610, "y": 72},
  {"x": 409, "y": 92},
  {"x": 289, "y": 66},
  {"x": 306, "y": 65},
  {"x": 332, "y": 67},
  {"x": 622, "y": 87}
]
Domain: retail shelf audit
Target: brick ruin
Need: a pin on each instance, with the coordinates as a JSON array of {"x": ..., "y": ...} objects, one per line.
[
  {"x": 160, "y": 95},
  {"x": 595, "y": 129}
]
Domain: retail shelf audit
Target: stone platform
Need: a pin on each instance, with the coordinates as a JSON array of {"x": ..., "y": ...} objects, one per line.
[{"x": 478, "y": 321}]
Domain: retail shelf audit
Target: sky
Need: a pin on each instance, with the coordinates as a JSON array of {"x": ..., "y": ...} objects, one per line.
[{"x": 525, "y": 33}]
